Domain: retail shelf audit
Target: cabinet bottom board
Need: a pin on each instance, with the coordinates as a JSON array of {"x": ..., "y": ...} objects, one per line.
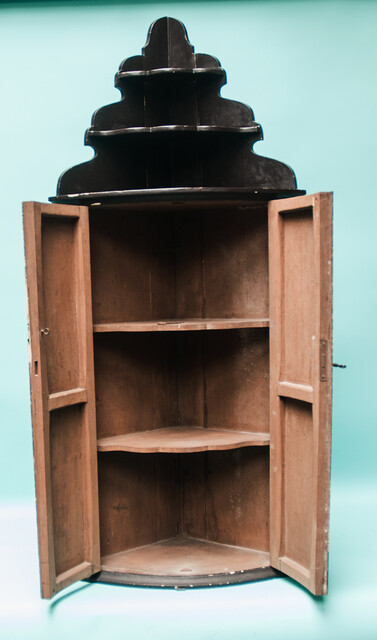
[{"x": 185, "y": 562}]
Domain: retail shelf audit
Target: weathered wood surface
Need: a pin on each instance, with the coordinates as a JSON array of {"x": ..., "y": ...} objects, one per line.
[
  {"x": 155, "y": 380},
  {"x": 62, "y": 391},
  {"x": 189, "y": 324},
  {"x": 184, "y": 556},
  {"x": 300, "y": 385},
  {"x": 182, "y": 440}
]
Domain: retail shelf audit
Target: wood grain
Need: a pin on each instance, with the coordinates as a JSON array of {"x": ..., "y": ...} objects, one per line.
[
  {"x": 300, "y": 232},
  {"x": 67, "y": 486},
  {"x": 220, "y": 496},
  {"x": 139, "y": 499},
  {"x": 182, "y": 440},
  {"x": 135, "y": 382},
  {"x": 132, "y": 266},
  {"x": 62, "y": 390},
  {"x": 148, "y": 266},
  {"x": 183, "y": 556},
  {"x": 237, "y": 497},
  {"x": 192, "y": 324},
  {"x": 236, "y": 379},
  {"x": 60, "y": 289},
  {"x": 209, "y": 379},
  {"x": 67, "y": 398},
  {"x": 235, "y": 268},
  {"x": 186, "y": 369},
  {"x": 295, "y": 390}
]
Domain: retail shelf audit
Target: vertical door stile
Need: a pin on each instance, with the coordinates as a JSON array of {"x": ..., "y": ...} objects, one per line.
[
  {"x": 91, "y": 523},
  {"x": 39, "y": 398}
]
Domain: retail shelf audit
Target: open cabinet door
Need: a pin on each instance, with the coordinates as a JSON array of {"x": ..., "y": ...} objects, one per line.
[
  {"x": 62, "y": 392},
  {"x": 300, "y": 262}
]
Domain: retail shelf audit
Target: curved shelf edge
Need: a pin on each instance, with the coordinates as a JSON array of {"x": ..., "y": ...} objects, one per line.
[
  {"x": 187, "y": 324},
  {"x": 177, "y": 195},
  {"x": 172, "y": 128},
  {"x": 170, "y": 71},
  {"x": 182, "y": 440},
  {"x": 195, "y": 582},
  {"x": 185, "y": 561}
]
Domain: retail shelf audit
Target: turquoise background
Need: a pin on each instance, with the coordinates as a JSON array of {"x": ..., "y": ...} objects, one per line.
[{"x": 308, "y": 69}]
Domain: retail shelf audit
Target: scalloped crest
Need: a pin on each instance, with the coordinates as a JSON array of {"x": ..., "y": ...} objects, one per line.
[{"x": 171, "y": 131}]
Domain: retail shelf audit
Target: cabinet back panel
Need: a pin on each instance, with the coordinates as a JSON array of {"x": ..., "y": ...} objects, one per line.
[
  {"x": 218, "y": 496},
  {"x": 135, "y": 382},
  {"x": 60, "y": 303},
  {"x": 225, "y": 497},
  {"x": 138, "y": 498},
  {"x": 67, "y": 487},
  {"x": 223, "y": 379},
  {"x": 187, "y": 264},
  {"x": 215, "y": 379},
  {"x": 132, "y": 266},
  {"x": 193, "y": 469}
]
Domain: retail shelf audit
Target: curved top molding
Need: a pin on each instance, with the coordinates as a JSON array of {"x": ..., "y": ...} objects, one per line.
[
  {"x": 168, "y": 47},
  {"x": 190, "y": 134}
]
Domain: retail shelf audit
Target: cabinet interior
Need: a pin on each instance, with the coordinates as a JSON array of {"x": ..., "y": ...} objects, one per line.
[
  {"x": 181, "y": 355},
  {"x": 175, "y": 265},
  {"x": 177, "y": 514}
]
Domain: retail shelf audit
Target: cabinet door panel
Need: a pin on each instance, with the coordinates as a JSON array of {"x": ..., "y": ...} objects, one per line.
[
  {"x": 62, "y": 392},
  {"x": 300, "y": 261}
]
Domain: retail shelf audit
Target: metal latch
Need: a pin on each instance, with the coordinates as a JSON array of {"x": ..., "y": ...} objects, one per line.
[{"x": 323, "y": 360}]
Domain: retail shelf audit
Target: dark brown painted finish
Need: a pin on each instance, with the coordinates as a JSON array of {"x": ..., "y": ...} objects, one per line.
[{"x": 173, "y": 130}]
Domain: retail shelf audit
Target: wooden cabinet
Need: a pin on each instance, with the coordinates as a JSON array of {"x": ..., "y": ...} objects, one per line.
[{"x": 181, "y": 383}]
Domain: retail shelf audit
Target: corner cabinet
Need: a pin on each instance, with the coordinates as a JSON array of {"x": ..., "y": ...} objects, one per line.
[{"x": 181, "y": 379}]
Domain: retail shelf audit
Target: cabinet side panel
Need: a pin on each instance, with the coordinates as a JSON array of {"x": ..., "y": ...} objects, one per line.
[
  {"x": 132, "y": 262},
  {"x": 237, "y": 497},
  {"x": 136, "y": 388},
  {"x": 235, "y": 263},
  {"x": 223, "y": 379},
  {"x": 138, "y": 500},
  {"x": 236, "y": 378}
]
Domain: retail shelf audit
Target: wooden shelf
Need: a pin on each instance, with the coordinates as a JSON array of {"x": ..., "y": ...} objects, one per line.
[
  {"x": 174, "y": 195},
  {"x": 186, "y": 324},
  {"x": 173, "y": 128},
  {"x": 182, "y": 440},
  {"x": 185, "y": 557},
  {"x": 171, "y": 72}
]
